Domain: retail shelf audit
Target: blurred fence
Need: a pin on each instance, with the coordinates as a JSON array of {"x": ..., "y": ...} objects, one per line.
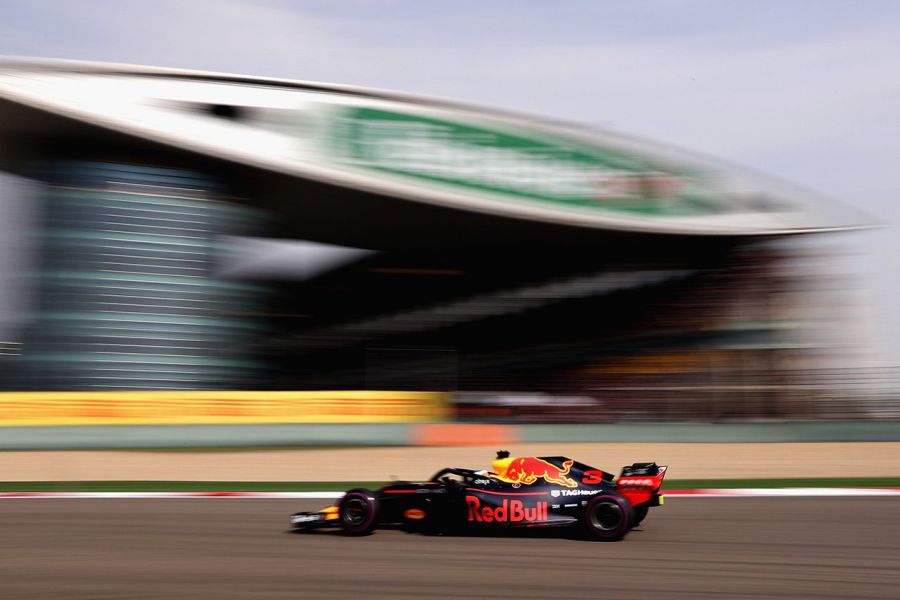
[
  {"x": 823, "y": 394},
  {"x": 218, "y": 407},
  {"x": 620, "y": 405}
]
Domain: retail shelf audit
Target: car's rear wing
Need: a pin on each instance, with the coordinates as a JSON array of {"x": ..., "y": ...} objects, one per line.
[
  {"x": 650, "y": 469},
  {"x": 640, "y": 482}
]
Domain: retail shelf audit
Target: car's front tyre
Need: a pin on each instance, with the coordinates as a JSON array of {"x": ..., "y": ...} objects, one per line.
[{"x": 358, "y": 512}]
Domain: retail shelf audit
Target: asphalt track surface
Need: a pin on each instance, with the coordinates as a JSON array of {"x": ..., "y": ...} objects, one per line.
[{"x": 239, "y": 548}]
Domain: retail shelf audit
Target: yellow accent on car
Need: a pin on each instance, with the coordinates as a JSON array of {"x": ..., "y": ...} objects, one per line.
[
  {"x": 330, "y": 512},
  {"x": 662, "y": 500}
]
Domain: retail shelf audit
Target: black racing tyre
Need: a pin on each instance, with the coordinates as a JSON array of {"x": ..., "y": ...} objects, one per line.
[
  {"x": 640, "y": 513},
  {"x": 608, "y": 517},
  {"x": 358, "y": 512}
]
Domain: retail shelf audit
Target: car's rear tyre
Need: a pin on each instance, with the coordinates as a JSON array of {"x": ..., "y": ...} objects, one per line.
[
  {"x": 640, "y": 513},
  {"x": 608, "y": 517},
  {"x": 358, "y": 512}
]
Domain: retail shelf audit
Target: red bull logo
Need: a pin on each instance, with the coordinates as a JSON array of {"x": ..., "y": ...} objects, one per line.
[
  {"x": 528, "y": 469},
  {"x": 509, "y": 511}
]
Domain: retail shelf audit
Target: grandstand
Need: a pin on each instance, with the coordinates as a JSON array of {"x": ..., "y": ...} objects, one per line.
[{"x": 207, "y": 231}]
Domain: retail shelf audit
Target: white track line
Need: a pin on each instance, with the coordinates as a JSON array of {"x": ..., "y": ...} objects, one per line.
[{"x": 696, "y": 493}]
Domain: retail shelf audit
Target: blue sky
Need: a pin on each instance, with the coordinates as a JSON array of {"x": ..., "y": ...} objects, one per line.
[{"x": 807, "y": 91}]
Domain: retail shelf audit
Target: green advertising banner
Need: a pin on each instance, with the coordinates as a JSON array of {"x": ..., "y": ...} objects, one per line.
[{"x": 517, "y": 163}]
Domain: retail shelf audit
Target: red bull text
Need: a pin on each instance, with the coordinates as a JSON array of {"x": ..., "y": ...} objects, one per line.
[{"x": 509, "y": 511}]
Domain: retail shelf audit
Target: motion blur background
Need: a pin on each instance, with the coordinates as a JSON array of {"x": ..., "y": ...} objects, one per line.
[
  {"x": 273, "y": 283},
  {"x": 169, "y": 232}
]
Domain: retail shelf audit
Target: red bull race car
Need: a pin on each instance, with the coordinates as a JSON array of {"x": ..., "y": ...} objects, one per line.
[{"x": 523, "y": 491}]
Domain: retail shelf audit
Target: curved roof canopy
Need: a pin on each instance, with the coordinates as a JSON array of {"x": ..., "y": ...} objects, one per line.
[{"x": 420, "y": 150}]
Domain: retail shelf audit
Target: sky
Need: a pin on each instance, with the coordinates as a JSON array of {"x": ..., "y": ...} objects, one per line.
[{"x": 806, "y": 91}]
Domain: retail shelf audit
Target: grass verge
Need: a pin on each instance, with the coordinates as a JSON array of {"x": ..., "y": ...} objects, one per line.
[{"x": 329, "y": 486}]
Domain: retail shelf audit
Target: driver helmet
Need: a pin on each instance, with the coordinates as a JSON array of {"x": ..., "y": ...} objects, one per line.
[{"x": 501, "y": 463}]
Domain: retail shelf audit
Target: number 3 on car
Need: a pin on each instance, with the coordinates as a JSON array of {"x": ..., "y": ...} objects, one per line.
[{"x": 592, "y": 476}]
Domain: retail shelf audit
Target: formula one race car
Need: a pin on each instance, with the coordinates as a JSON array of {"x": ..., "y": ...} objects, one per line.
[{"x": 518, "y": 492}]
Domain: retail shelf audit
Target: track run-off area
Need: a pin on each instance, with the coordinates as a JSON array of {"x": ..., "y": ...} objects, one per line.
[{"x": 835, "y": 546}]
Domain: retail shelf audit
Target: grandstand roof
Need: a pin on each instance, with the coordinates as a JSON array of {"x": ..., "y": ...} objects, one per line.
[{"x": 333, "y": 154}]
